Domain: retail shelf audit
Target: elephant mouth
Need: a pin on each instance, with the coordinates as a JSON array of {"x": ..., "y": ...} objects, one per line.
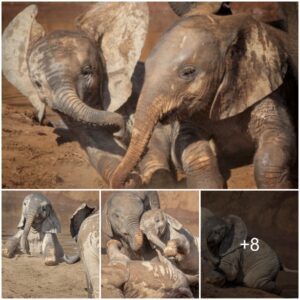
[{"x": 170, "y": 116}]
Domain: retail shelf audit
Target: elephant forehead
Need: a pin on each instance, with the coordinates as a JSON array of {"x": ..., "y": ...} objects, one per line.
[
  {"x": 184, "y": 46},
  {"x": 126, "y": 204},
  {"x": 38, "y": 199}
]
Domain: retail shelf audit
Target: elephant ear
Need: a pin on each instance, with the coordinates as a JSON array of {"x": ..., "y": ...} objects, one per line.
[
  {"x": 173, "y": 222},
  {"x": 151, "y": 200},
  {"x": 81, "y": 213},
  {"x": 122, "y": 29},
  {"x": 237, "y": 233},
  {"x": 105, "y": 223},
  {"x": 21, "y": 223},
  {"x": 255, "y": 66},
  {"x": 51, "y": 224},
  {"x": 17, "y": 38}
]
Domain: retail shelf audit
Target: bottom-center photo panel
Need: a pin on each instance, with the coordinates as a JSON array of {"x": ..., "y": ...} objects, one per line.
[{"x": 150, "y": 244}]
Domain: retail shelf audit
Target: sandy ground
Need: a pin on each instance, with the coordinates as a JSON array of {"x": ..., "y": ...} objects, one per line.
[
  {"x": 183, "y": 206},
  {"x": 271, "y": 216},
  {"x": 28, "y": 277},
  {"x": 36, "y": 156}
]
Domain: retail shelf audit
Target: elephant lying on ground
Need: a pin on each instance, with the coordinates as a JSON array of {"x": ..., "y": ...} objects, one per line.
[
  {"x": 85, "y": 230},
  {"x": 170, "y": 238},
  {"x": 140, "y": 279},
  {"x": 221, "y": 247},
  {"x": 37, "y": 232},
  {"x": 121, "y": 215},
  {"x": 226, "y": 79}
]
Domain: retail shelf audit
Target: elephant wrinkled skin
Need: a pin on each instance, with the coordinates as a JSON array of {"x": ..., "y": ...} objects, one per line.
[{"x": 37, "y": 232}]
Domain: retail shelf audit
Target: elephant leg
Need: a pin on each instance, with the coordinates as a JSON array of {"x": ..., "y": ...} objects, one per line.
[
  {"x": 11, "y": 245},
  {"x": 197, "y": 158},
  {"x": 274, "y": 135},
  {"x": 49, "y": 250},
  {"x": 251, "y": 280},
  {"x": 90, "y": 259},
  {"x": 105, "y": 154},
  {"x": 155, "y": 167}
]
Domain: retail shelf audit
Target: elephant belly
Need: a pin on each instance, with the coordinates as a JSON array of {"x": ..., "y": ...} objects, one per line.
[
  {"x": 232, "y": 139},
  {"x": 261, "y": 265},
  {"x": 35, "y": 241}
]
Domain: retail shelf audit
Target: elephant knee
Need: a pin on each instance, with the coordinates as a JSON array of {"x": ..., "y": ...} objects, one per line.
[
  {"x": 200, "y": 164},
  {"x": 272, "y": 166}
]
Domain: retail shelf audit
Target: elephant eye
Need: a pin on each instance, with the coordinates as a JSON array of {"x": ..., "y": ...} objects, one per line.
[
  {"x": 188, "y": 73},
  {"x": 87, "y": 70},
  {"x": 38, "y": 84}
]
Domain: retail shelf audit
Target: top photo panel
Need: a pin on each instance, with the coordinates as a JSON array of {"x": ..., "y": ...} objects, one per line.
[{"x": 150, "y": 95}]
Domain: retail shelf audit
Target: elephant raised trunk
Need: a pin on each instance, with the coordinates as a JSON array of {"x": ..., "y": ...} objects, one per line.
[
  {"x": 68, "y": 102},
  {"x": 27, "y": 227},
  {"x": 145, "y": 121}
]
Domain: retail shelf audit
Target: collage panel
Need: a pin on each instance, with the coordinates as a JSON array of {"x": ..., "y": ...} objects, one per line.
[
  {"x": 150, "y": 244},
  {"x": 217, "y": 104},
  {"x": 249, "y": 244},
  {"x": 50, "y": 244}
]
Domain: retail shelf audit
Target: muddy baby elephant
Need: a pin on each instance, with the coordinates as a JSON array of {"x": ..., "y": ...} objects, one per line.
[
  {"x": 84, "y": 75},
  {"x": 85, "y": 229},
  {"x": 221, "y": 246},
  {"x": 173, "y": 241},
  {"x": 140, "y": 279},
  {"x": 121, "y": 215},
  {"x": 227, "y": 80},
  {"x": 37, "y": 232}
]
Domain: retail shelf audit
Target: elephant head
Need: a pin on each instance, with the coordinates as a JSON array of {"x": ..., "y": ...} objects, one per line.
[
  {"x": 221, "y": 236},
  {"x": 66, "y": 70},
  {"x": 217, "y": 65},
  {"x": 154, "y": 224},
  {"x": 37, "y": 213},
  {"x": 121, "y": 216}
]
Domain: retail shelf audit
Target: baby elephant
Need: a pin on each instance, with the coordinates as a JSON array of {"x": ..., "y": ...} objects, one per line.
[
  {"x": 141, "y": 279},
  {"x": 37, "y": 232},
  {"x": 254, "y": 267},
  {"x": 172, "y": 240}
]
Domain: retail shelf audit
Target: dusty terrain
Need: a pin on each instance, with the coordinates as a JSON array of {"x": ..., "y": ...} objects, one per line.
[
  {"x": 184, "y": 206},
  {"x": 28, "y": 277},
  {"x": 271, "y": 216},
  {"x": 36, "y": 156}
]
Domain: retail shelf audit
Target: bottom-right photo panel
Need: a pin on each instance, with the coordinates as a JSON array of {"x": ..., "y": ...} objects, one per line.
[{"x": 249, "y": 244}]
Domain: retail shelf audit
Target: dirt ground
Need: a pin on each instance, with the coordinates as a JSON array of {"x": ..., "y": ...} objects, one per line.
[
  {"x": 36, "y": 156},
  {"x": 28, "y": 277},
  {"x": 270, "y": 216},
  {"x": 183, "y": 206}
]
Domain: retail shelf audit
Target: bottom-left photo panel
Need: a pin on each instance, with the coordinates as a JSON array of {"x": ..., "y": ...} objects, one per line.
[{"x": 50, "y": 244}]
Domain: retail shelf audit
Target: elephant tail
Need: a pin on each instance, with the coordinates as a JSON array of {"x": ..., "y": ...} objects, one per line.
[
  {"x": 285, "y": 269},
  {"x": 71, "y": 259}
]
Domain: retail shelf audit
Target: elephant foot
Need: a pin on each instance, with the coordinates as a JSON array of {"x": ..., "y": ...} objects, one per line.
[
  {"x": 6, "y": 253},
  {"x": 50, "y": 259},
  {"x": 171, "y": 249}
]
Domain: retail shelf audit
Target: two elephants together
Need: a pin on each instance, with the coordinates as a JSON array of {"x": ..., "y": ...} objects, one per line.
[
  {"x": 37, "y": 236},
  {"x": 227, "y": 80},
  {"x": 140, "y": 238}
]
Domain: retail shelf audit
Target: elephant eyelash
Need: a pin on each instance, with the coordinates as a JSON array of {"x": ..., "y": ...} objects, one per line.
[{"x": 188, "y": 73}]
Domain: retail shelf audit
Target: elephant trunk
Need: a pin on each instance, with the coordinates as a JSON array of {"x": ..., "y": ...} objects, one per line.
[
  {"x": 153, "y": 238},
  {"x": 28, "y": 224},
  {"x": 68, "y": 102},
  {"x": 137, "y": 240},
  {"x": 146, "y": 117}
]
